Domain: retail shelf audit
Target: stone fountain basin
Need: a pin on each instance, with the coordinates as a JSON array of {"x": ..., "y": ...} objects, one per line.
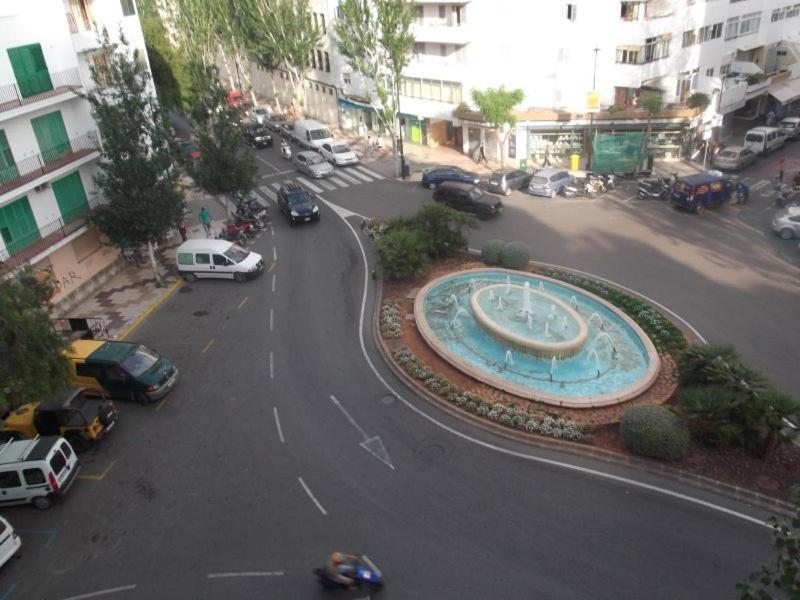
[{"x": 498, "y": 324}]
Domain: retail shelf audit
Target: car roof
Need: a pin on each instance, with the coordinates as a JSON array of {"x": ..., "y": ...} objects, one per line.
[
  {"x": 113, "y": 352},
  {"x": 791, "y": 120},
  {"x": 36, "y": 449},
  {"x": 547, "y": 171},
  {"x": 80, "y": 349},
  {"x": 457, "y": 185},
  {"x": 701, "y": 178},
  {"x": 735, "y": 149},
  {"x": 761, "y": 129},
  {"x": 307, "y": 153},
  {"x": 204, "y": 245},
  {"x": 60, "y": 399}
]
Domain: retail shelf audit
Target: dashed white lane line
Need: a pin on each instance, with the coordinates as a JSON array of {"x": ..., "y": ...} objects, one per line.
[
  {"x": 309, "y": 185},
  {"x": 273, "y": 282},
  {"x": 339, "y": 182},
  {"x": 348, "y": 177},
  {"x": 274, "y": 254},
  {"x": 245, "y": 574},
  {"x": 115, "y": 590},
  {"x": 266, "y": 162},
  {"x": 271, "y": 311},
  {"x": 625, "y": 481},
  {"x": 269, "y": 193},
  {"x": 359, "y": 174},
  {"x": 370, "y": 172},
  {"x": 310, "y": 495},
  {"x": 271, "y": 366},
  {"x": 278, "y": 424}
]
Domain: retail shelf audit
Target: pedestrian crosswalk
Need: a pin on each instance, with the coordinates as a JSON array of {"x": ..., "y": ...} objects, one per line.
[{"x": 343, "y": 178}]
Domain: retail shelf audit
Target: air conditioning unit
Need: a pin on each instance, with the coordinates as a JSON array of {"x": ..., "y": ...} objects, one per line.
[{"x": 39, "y": 188}]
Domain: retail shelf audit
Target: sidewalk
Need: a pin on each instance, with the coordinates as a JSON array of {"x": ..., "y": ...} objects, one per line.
[{"x": 133, "y": 293}]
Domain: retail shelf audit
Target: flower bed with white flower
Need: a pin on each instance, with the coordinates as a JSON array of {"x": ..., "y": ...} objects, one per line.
[{"x": 390, "y": 321}]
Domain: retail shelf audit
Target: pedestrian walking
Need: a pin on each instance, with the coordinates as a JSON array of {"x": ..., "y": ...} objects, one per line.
[
  {"x": 182, "y": 228},
  {"x": 482, "y": 155},
  {"x": 770, "y": 118},
  {"x": 369, "y": 145},
  {"x": 546, "y": 161},
  {"x": 780, "y": 171},
  {"x": 205, "y": 220}
]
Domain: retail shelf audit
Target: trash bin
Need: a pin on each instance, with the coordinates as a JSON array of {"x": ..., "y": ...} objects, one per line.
[
  {"x": 405, "y": 170},
  {"x": 574, "y": 162}
]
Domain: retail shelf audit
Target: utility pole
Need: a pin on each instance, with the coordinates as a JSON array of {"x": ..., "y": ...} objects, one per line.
[{"x": 591, "y": 113}]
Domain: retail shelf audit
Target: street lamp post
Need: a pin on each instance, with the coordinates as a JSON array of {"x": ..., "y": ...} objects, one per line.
[{"x": 591, "y": 111}]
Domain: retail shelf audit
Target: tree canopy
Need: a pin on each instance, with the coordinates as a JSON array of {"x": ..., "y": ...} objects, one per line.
[{"x": 496, "y": 105}]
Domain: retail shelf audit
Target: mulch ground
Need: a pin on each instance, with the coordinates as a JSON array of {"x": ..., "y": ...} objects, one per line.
[{"x": 772, "y": 476}]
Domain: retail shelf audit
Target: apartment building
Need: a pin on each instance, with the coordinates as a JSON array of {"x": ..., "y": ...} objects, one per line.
[{"x": 49, "y": 144}]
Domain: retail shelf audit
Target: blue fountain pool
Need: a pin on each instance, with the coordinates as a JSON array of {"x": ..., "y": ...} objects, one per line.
[{"x": 615, "y": 362}]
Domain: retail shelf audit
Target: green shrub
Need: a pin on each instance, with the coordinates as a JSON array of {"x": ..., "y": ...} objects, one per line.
[
  {"x": 515, "y": 255},
  {"x": 714, "y": 364},
  {"x": 491, "y": 251},
  {"x": 655, "y": 432},
  {"x": 401, "y": 254},
  {"x": 443, "y": 229}
]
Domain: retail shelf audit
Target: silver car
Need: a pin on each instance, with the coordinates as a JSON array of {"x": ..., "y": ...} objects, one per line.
[
  {"x": 786, "y": 223},
  {"x": 338, "y": 153},
  {"x": 734, "y": 158},
  {"x": 312, "y": 164}
]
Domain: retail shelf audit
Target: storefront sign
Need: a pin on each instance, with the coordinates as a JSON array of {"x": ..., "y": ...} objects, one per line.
[{"x": 593, "y": 101}]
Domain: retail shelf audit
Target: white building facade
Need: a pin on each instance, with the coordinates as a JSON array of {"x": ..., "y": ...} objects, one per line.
[{"x": 49, "y": 144}]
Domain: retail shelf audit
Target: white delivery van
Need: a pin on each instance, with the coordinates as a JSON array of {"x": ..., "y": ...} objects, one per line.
[
  {"x": 217, "y": 259},
  {"x": 36, "y": 471},
  {"x": 763, "y": 140},
  {"x": 9, "y": 541},
  {"x": 312, "y": 134}
]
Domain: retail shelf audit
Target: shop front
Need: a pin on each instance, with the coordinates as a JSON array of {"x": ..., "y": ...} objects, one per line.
[
  {"x": 415, "y": 129},
  {"x": 357, "y": 115}
]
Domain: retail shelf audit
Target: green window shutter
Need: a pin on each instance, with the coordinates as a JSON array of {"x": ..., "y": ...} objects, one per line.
[
  {"x": 17, "y": 225},
  {"x": 127, "y": 8},
  {"x": 8, "y": 169},
  {"x": 30, "y": 70},
  {"x": 51, "y": 136},
  {"x": 70, "y": 196}
]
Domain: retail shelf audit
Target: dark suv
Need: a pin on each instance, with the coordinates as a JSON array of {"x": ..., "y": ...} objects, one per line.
[
  {"x": 296, "y": 203},
  {"x": 257, "y": 136},
  {"x": 467, "y": 198}
]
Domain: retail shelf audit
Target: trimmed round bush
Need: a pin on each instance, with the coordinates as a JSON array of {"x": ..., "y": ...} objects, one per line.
[
  {"x": 515, "y": 255},
  {"x": 655, "y": 432},
  {"x": 491, "y": 251}
]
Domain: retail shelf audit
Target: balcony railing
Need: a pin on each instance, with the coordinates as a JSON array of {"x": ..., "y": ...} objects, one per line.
[
  {"x": 39, "y": 86},
  {"x": 25, "y": 247},
  {"x": 33, "y": 167}
]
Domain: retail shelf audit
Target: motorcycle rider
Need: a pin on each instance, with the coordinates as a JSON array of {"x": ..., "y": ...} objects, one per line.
[
  {"x": 286, "y": 149},
  {"x": 341, "y": 567},
  {"x": 796, "y": 180}
]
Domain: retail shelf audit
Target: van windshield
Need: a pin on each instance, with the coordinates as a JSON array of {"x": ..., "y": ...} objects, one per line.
[
  {"x": 754, "y": 137},
  {"x": 539, "y": 180},
  {"x": 236, "y": 254},
  {"x": 140, "y": 361},
  {"x": 320, "y": 134}
]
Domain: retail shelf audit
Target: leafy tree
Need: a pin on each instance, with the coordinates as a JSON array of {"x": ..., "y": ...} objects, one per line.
[
  {"x": 402, "y": 253},
  {"x": 225, "y": 164},
  {"x": 652, "y": 103},
  {"x": 280, "y": 34},
  {"x": 135, "y": 175},
  {"x": 33, "y": 362},
  {"x": 698, "y": 100},
  {"x": 375, "y": 37},
  {"x": 168, "y": 68},
  {"x": 781, "y": 577},
  {"x": 496, "y": 104},
  {"x": 443, "y": 228}
]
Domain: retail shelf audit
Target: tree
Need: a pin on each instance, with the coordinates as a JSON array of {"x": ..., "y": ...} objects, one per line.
[
  {"x": 698, "y": 100},
  {"x": 442, "y": 228},
  {"x": 135, "y": 177},
  {"x": 169, "y": 70},
  {"x": 402, "y": 253},
  {"x": 225, "y": 164},
  {"x": 375, "y": 37},
  {"x": 782, "y": 575},
  {"x": 280, "y": 34},
  {"x": 652, "y": 103},
  {"x": 34, "y": 363},
  {"x": 495, "y": 104}
]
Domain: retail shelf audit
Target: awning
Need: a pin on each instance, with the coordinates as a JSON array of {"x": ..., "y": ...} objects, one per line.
[
  {"x": 354, "y": 104},
  {"x": 745, "y": 68},
  {"x": 786, "y": 91}
]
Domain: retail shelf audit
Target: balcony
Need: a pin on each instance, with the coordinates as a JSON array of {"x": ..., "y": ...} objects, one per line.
[
  {"x": 35, "y": 242},
  {"x": 38, "y": 88},
  {"x": 442, "y": 32},
  {"x": 27, "y": 171}
]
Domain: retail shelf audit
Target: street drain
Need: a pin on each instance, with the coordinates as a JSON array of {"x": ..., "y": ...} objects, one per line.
[{"x": 200, "y": 313}]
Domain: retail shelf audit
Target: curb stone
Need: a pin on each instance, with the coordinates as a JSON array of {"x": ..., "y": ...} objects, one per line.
[{"x": 779, "y": 507}]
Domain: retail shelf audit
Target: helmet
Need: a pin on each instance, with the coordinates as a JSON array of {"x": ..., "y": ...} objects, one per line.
[{"x": 337, "y": 557}]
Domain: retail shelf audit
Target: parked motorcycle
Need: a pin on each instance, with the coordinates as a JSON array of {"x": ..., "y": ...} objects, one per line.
[{"x": 236, "y": 236}]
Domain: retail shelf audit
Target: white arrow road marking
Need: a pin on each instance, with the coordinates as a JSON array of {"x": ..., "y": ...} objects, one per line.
[
  {"x": 340, "y": 210},
  {"x": 373, "y": 445}
]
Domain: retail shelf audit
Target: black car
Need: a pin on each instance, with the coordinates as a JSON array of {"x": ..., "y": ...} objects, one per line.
[
  {"x": 431, "y": 178},
  {"x": 257, "y": 136},
  {"x": 296, "y": 203},
  {"x": 467, "y": 198},
  {"x": 502, "y": 182},
  {"x": 275, "y": 121}
]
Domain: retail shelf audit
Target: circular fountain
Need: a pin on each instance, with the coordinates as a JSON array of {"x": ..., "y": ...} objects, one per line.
[{"x": 536, "y": 337}]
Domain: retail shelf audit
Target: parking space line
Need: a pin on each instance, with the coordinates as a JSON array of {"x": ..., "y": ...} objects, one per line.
[
  {"x": 162, "y": 403},
  {"x": 243, "y": 302},
  {"x": 273, "y": 282},
  {"x": 208, "y": 346},
  {"x": 276, "y": 186},
  {"x": 310, "y": 495},
  {"x": 115, "y": 590},
  {"x": 101, "y": 476},
  {"x": 309, "y": 185}
]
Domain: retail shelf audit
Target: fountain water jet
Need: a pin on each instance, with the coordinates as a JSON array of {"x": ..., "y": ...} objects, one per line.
[
  {"x": 603, "y": 334},
  {"x": 573, "y": 302},
  {"x": 530, "y": 320},
  {"x": 508, "y": 284},
  {"x": 599, "y": 319},
  {"x": 552, "y": 367},
  {"x": 509, "y": 359}
]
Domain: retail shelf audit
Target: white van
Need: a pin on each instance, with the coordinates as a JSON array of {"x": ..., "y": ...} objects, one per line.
[
  {"x": 36, "y": 471},
  {"x": 763, "y": 140},
  {"x": 9, "y": 541},
  {"x": 312, "y": 134},
  {"x": 217, "y": 259}
]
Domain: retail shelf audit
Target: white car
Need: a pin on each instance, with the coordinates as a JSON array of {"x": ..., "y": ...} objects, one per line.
[
  {"x": 338, "y": 154},
  {"x": 258, "y": 114},
  {"x": 10, "y": 542}
]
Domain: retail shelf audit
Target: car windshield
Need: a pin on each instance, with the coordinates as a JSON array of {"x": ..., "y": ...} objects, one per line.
[
  {"x": 320, "y": 134},
  {"x": 314, "y": 159},
  {"x": 727, "y": 154},
  {"x": 140, "y": 361},
  {"x": 754, "y": 137},
  {"x": 343, "y": 148},
  {"x": 298, "y": 199},
  {"x": 236, "y": 253},
  {"x": 788, "y": 124},
  {"x": 538, "y": 180},
  {"x": 260, "y": 111}
]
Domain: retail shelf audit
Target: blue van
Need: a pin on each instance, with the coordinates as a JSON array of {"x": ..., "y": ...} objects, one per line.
[{"x": 706, "y": 190}]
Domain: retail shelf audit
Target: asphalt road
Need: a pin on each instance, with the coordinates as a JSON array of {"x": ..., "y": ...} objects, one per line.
[{"x": 250, "y": 473}]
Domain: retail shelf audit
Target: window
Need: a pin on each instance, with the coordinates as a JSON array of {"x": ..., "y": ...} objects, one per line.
[
  {"x": 127, "y": 8},
  {"x": 628, "y": 56},
  {"x": 420, "y": 12},
  {"x": 185, "y": 258},
  {"x": 64, "y": 447},
  {"x": 656, "y": 48},
  {"x": 724, "y": 70},
  {"x": 709, "y": 32},
  {"x": 219, "y": 260},
  {"x": 346, "y": 78},
  {"x": 442, "y": 12},
  {"x": 114, "y": 373},
  {"x": 30, "y": 70},
  {"x": 89, "y": 370},
  {"x": 572, "y": 12},
  {"x": 34, "y": 476},
  {"x": 732, "y": 28},
  {"x": 749, "y": 23},
  {"x": 322, "y": 23},
  {"x": 778, "y": 14},
  {"x": 57, "y": 462},
  {"x": 9, "y": 479},
  {"x": 710, "y": 72},
  {"x": 202, "y": 259},
  {"x": 688, "y": 38},
  {"x": 563, "y": 55},
  {"x": 316, "y": 22},
  {"x": 630, "y": 11},
  {"x": 313, "y": 60},
  {"x": 327, "y": 63},
  {"x": 319, "y": 59},
  {"x": 792, "y": 11}
]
